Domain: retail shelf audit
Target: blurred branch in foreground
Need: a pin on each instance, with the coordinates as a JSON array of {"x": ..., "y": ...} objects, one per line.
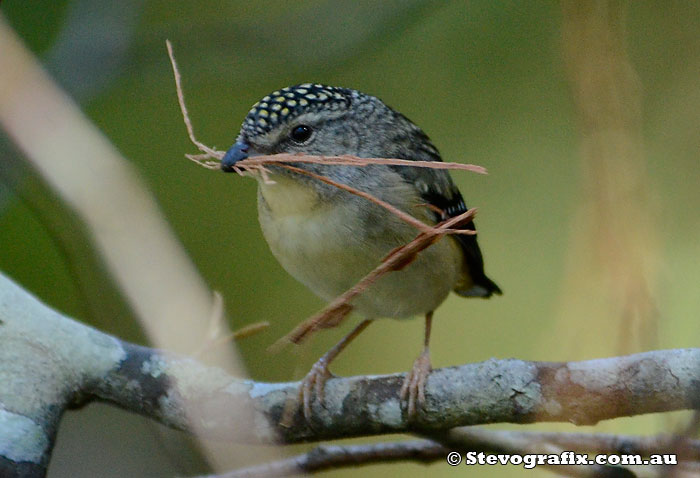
[
  {"x": 615, "y": 223},
  {"x": 127, "y": 229}
]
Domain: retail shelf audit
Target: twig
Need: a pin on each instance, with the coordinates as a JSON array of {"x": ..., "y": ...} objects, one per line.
[
  {"x": 471, "y": 439},
  {"x": 325, "y": 457}
]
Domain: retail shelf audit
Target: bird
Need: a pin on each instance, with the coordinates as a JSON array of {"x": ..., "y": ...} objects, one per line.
[{"x": 328, "y": 238}]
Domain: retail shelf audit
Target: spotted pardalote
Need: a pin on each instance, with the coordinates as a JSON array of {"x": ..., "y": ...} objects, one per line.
[{"x": 328, "y": 238}]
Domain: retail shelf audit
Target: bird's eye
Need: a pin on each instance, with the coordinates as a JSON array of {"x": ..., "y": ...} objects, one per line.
[{"x": 301, "y": 133}]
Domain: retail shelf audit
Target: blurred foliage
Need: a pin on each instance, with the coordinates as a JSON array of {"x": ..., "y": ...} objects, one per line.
[{"x": 485, "y": 80}]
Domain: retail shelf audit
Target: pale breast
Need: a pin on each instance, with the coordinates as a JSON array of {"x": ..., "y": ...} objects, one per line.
[{"x": 329, "y": 247}]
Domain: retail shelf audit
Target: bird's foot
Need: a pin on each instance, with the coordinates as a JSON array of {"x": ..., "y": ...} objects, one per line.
[
  {"x": 313, "y": 386},
  {"x": 413, "y": 388}
]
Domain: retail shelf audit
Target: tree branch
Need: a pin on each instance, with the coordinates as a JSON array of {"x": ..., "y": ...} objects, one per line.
[
  {"x": 324, "y": 457},
  {"x": 49, "y": 362},
  {"x": 473, "y": 439}
]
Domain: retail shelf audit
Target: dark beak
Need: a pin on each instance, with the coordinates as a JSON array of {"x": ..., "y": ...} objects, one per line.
[{"x": 238, "y": 152}]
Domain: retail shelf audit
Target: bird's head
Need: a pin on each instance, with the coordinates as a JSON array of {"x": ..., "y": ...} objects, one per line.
[{"x": 324, "y": 120}]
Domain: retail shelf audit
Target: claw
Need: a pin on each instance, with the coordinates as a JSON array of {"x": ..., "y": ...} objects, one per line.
[
  {"x": 413, "y": 388},
  {"x": 313, "y": 386}
]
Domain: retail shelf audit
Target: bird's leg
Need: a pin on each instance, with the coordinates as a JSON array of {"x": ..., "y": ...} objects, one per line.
[
  {"x": 413, "y": 388},
  {"x": 315, "y": 380}
]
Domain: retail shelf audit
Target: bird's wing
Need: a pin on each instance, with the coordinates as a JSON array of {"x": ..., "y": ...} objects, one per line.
[
  {"x": 436, "y": 188},
  {"x": 449, "y": 200}
]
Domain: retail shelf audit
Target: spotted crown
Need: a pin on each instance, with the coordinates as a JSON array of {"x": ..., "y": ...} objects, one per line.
[{"x": 290, "y": 102}]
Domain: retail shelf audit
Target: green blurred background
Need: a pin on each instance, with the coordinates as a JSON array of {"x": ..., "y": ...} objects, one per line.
[{"x": 486, "y": 80}]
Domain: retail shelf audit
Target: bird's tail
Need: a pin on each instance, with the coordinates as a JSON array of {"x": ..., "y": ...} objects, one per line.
[{"x": 484, "y": 287}]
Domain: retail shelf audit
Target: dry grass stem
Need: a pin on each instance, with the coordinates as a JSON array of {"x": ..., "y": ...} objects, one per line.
[
  {"x": 250, "y": 330},
  {"x": 420, "y": 225},
  {"x": 242, "y": 333},
  {"x": 181, "y": 99},
  {"x": 397, "y": 259},
  {"x": 349, "y": 160},
  {"x": 400, "y": 257},
  {"x": 217, "y": 326}
]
